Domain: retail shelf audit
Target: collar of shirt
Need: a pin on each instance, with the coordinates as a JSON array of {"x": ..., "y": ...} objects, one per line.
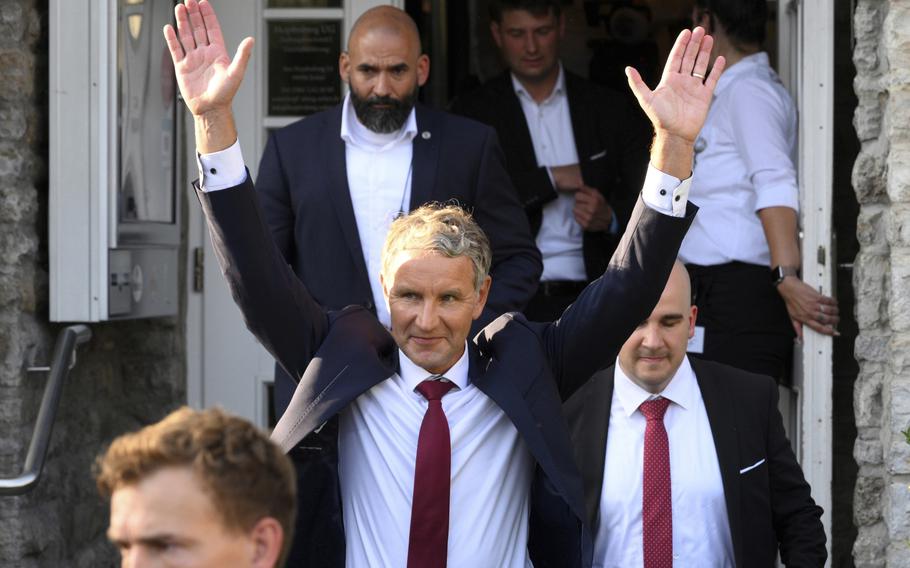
[
  {"x": 682, "y": 389},
  {"x": 355, "y": 133},
  {"x": 741, "y": 67},
  {"x": 559, "y": 89},
  {"x": 413, "y": 375}
]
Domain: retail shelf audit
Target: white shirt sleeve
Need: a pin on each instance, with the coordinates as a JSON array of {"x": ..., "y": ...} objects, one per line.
[
  {"x": 665, "y": 193},
  {"x": 762, "y": 127},
  {"x": 221, "y": 170}
]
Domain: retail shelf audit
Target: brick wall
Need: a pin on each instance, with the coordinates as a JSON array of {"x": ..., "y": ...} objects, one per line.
[
  {"x": 881, "y": 178},
  {"x": 130, "y": 374}
]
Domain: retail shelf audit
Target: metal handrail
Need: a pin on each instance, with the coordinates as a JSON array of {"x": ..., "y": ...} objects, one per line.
[{"x": 63, "y": 360}]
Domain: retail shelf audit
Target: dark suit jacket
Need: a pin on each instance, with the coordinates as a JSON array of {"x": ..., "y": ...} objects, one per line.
[
  {"x": 524, "y": 367},
  {"x": 611, "y": 137},
  {"x": 768, "y": 507},
  {"x": 303, "y": 189}
]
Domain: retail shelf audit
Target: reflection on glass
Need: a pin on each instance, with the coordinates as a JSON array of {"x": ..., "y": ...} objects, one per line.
[
  {"x": 147, "y": 113},
  {"x": 304, "y": 4},
  {"x": 303, "y": 66}
]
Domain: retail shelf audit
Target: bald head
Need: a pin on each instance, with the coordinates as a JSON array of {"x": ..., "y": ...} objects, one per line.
[
  {"x": 655, "y": 350},
  {"x": 386, "y": 20},
  {"x": 384, "y": 67}
]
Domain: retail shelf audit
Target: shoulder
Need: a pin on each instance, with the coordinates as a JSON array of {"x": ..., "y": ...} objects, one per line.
[
  {"x": 312, "y": 127},
  {"x": 485, "y": 98},
  {"x": 594, "y": 389},
  {"x": 466, "y": 133},
  {"x": 742, "y": 385},
  {"x": 586, "y": 91}
]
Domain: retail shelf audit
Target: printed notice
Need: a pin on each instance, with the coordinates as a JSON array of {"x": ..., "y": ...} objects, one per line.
[{"x": 303, "y": 66}]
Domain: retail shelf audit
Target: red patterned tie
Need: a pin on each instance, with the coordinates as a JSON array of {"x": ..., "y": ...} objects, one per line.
[
  {"x": 656, "y": 507},
  {"x": 428, "y": 543}
]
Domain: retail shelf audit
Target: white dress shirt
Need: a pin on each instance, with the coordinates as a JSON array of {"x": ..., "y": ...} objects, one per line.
[
  {"x": 701, "y": 529},
  {"x": 560, "y": 236},
  {"x": 491, "y": 474},
  {"x": 744, "y": 162}
]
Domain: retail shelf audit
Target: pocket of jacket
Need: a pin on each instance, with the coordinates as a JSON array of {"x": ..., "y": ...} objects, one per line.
[{"x": 751, "y": 467}]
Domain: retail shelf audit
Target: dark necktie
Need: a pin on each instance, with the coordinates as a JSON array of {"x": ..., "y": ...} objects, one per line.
[
  {"x": 428, "y": 543},
  {"x": 656, "y": 507}
]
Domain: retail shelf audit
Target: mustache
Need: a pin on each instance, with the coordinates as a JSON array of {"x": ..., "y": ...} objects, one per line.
[{"x": 385, "y": 101}]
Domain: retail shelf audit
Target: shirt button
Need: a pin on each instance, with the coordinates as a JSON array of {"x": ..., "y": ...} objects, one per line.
[
  {"x": 213, "y": 171},
  {"x": 676, "y": 198},
  {"x": 663, "y": 192}
]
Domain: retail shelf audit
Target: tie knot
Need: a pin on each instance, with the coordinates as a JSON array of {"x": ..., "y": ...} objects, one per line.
[
  {"x": 654, "y": 409},
  {"x": 434, "y": 389}
]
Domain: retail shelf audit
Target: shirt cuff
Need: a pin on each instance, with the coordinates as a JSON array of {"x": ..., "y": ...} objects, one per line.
[
  {"x": 665, "y": 193},
  {"x": 783, "y": 195},
  {"x": 221, "y": 170}
]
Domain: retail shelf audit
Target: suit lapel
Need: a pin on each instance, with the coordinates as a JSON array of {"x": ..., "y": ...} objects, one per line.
[
  {"x": 591, "y": 439},
  {"x": 721, "y": 415},
  {"x": 340, "y": 192},
  {"x": 425, "y": 158},
  {"x": 515, "y": 116},
  {"x": 580, "y": 130}
]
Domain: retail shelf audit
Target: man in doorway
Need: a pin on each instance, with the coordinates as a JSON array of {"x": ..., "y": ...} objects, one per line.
[
  {"x": 576, "y": 152},
  {"x": 331, "y": 184},
  {"x": 420, "y": 424},
  {"x": 686, "y": 462},
  {"x": 198, "y": 489}
]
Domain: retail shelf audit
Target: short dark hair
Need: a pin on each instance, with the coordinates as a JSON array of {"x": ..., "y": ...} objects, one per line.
[
  {"x": 246, "y": 476},
  {"x": 536, "y": 7},
  {"x": 743, "y": 20}
]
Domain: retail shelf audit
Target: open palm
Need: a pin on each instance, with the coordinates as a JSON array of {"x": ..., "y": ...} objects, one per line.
[
  {"x": 679, "y": 105},
  {"x": 207, "y": 77}
]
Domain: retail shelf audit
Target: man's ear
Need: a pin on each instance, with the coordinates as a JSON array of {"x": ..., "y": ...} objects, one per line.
[
  {"x": 423, "y": 69},
  {"x": 267, "y": 538},
  {"x": 344, "y": 67},
  {"x": 496, "y": 32},
  {"x": 692, "y": 317},
  {"x": 482, "y": 296}
]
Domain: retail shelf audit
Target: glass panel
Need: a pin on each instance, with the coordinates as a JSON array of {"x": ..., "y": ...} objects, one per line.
[
  {"x": 304, "y": 4},
  {"x": 303, "y": 66},
  {"x": 147, "y": 113}
]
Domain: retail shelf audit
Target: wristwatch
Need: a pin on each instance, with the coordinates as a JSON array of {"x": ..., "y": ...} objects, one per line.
[{"x": 778, "y": 273}]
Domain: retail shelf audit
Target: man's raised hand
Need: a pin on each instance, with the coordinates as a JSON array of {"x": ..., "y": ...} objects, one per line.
[
  {"x": 679, "y": 105},
  {"x": 207, "y": 77}
]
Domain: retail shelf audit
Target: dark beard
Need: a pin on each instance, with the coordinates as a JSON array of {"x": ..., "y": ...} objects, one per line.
[{"x": 383, "y": 120}]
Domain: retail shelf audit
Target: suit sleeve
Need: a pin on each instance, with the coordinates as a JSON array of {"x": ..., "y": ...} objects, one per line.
[
  {"x": 275, "y": 198},
  {"x": 516, "y": 264},
  {"x": 590, "y": 332},
  {"x": 276, "y": 306},
  {"x": 796, "y": 517}
]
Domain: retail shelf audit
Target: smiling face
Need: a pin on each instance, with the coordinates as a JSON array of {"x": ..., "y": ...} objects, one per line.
[
  {"x": 655, "y": 350},
  {"x": 529, "y": 44},
  {"x": 166, "y": 520},
  {"x": 432, "y": 301}
]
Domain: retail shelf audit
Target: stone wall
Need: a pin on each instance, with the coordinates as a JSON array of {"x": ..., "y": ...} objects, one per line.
[
  {"x": 130, "y": 374},
  {"x": 881, "y": 178}
]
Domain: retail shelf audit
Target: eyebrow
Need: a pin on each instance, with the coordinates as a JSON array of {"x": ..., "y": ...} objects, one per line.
[{"x": 398, "y": 67}]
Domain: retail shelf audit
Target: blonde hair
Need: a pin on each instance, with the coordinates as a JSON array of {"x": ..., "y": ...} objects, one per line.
[
  {"x": 246, "y": 476},
  {"x": 445, "y": 229}
]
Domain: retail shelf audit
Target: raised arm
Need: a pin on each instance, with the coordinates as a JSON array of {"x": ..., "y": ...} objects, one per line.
[
  {"x": 276, "y": 306},
  {"x": 208, "y": 78},
  {"x": 590, "y": 332}
]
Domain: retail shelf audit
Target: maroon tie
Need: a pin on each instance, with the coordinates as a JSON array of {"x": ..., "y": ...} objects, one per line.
[
  {"x": 428, "y": 543},
  {"x": 656, "y": 507}
]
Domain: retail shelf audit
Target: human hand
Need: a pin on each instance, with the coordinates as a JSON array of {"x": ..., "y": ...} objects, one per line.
[
  {"x": 591, "y": 210},
  {"x": 806, "y": 306},
  {"x": 567, "y": 178},
  {"x": 207, "y": 77},
  {"x": 679, "y": 105}
]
